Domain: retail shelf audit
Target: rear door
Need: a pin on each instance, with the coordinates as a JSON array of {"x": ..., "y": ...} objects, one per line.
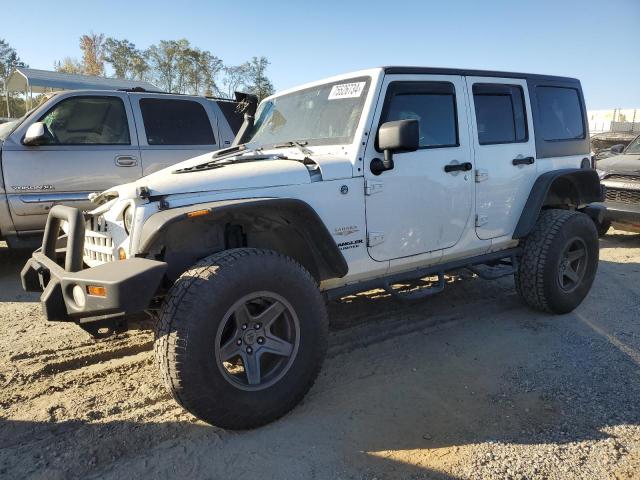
[
  {"x": 171, "y": 129},
  {"x": 420, "y": 206},
  {"x": 91, "y": 146},
  {"x": 505, "y": 152}
]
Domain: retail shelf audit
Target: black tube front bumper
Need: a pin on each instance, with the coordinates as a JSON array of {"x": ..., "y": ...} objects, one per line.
[{"x": 127, "y": 286}]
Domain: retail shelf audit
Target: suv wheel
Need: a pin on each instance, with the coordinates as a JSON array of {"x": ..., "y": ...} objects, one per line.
[
  {"x": 558, "y": 261},
  {"x": 241, "y": 337}
]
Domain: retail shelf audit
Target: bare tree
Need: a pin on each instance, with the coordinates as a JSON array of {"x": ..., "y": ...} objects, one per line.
[{"x": 235, "y": 77}]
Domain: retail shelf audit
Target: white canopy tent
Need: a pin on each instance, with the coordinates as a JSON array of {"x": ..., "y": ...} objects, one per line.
[{"x": 31, "y": 80}]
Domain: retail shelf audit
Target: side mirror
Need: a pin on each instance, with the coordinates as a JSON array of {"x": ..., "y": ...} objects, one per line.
[
  {"x": 395, "y": 137},
  {"x": 36, "y": 134},
  {"x": 617, "y": 148}
]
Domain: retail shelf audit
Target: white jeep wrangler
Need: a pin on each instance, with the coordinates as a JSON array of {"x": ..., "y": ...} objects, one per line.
[{"x": 356, "y": 182}]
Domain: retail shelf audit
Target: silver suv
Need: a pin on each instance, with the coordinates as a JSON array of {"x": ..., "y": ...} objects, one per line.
[{"x": 80, "y": 142}]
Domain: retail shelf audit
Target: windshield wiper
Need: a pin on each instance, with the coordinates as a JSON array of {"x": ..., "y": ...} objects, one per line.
[
  {"x": 221, "y": 162},
  {"x": 295, "y": 143}
]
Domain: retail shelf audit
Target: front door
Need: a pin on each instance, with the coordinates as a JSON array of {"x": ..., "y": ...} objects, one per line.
[
  {"x": 505, "y": 152},
  {"x": 91, "y": 146},
  {"x": 421, "y": 204}
]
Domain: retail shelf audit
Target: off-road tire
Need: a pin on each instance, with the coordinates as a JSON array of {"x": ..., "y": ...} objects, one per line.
[
  {"x": 192, "y": 312},
  {"x": 536, "y": 277}
]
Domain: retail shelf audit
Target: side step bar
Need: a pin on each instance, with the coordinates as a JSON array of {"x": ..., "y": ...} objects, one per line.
[{"x": 501, "y": 257}]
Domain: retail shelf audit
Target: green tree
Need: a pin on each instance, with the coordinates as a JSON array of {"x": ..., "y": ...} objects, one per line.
[
  {"x": 9, "y": 59},
  {"x": 163, "y": 59},
  {"x": 257, "y": 81},
  {"x": 120, "y": 54}
]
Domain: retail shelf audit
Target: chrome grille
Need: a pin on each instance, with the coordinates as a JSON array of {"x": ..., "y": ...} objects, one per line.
[{"x": 619, "y": 195}]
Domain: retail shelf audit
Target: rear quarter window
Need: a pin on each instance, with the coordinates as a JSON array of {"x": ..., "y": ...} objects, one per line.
[
  {"x": 560, "y": 113},
  {"x": 176, "y": 122}
]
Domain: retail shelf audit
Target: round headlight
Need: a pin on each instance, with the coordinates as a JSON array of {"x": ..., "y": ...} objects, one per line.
[{"x": 127, "y": 217}]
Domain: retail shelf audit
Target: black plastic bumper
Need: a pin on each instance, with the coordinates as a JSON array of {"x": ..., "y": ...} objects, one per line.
[{"x": 129, "y": 285}]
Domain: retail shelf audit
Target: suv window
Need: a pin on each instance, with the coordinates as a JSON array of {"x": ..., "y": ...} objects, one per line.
[
  {"x": 176, "y": 122},
  {"x": 560, "y": 113},
  {"x": 500, "y": 113},
  {"x": 87, "y": 121},
  {"x": 433, "y": 104}
]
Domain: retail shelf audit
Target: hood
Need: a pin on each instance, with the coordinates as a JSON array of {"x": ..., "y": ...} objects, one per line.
[
  {"x": 233, "y": 176},
  {"x": 239, "y": 175},
  {"x": 625, "y": 164}
]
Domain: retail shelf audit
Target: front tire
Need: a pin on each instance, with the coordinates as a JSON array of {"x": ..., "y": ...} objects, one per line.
[
  {"x": 241, "y": 337},
  {"x": 559, "y": 261}
]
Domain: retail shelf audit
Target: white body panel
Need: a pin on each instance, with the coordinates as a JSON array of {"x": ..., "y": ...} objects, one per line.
[
  {"x": 500, "y": 197},
  {"x": 417, "y": 206},
  {"x": 426, "y": 216}
]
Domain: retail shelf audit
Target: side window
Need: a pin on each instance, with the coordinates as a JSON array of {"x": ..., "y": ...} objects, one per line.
[
  {"x": 176, "y": 122},
  {"x": 87, "y": 121},
  {"x": 433, "y": 104},
  {"x": 560, "y": 113},
  {"x": 500, "y": 113}
]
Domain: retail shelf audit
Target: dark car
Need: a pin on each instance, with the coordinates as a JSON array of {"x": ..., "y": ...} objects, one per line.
[{"x": 620, "y": 175}]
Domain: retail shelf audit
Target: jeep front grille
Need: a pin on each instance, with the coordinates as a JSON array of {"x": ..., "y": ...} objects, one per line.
[
  {"x": 619, "y": 195},
  {"x": 98, "y": 247}
]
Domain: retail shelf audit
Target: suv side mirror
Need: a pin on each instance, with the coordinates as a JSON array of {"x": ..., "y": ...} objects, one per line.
[
  {"x": 36, "y": 134},
  {"x": 617, "y": 148},
  {"x": 395, "y": 137}
]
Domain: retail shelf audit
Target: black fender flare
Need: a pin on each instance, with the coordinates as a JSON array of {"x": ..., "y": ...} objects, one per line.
[
  {"x": 583, "y": 182},
  {"x": 294, "y": 213}
]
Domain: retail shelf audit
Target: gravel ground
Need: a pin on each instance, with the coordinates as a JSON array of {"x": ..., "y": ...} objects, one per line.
[{"x": 469, "y": 384}]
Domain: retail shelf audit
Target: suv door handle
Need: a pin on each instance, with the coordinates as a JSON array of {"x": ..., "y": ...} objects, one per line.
[
  {"x": 126, "y": 161},
  {"x": 523, "y": 161},
  {"x": 458, "y": 167}
]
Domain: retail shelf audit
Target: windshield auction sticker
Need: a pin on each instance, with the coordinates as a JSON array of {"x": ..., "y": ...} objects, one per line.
[{"x": 346, "y": 90}]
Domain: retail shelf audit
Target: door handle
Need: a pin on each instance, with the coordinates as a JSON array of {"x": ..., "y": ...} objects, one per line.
[
  {"x": 126, "y": 161},
  {"x": 523, "y": 161},
  {"x": 458, "y": 167}
]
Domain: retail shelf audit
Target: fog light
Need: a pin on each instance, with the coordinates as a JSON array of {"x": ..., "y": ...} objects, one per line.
[
  {"x": 122, "y": 255},
  {"x": 78, "y": 296},
  {"x": 96, "y": 290}
]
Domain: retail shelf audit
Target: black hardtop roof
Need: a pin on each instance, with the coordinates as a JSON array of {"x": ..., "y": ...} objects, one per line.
[{"x": 475, "y": 73}]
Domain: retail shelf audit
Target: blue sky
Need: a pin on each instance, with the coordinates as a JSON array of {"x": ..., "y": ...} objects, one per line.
[{"x": 596, "y": 42}]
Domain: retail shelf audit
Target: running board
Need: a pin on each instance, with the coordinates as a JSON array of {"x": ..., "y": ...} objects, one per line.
[
  {"x": 504, "y": 268},
  {"x": 438, "y": 269}
]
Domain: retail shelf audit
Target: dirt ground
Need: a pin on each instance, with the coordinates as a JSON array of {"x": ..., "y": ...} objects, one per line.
[{"x": 469, "y": 384}]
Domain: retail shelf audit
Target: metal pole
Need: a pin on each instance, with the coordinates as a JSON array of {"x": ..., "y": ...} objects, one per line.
[{"x": 6, "y": 92}]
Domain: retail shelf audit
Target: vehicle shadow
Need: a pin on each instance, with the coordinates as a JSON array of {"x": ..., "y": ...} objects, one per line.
[
  {"x": 618, "y": 239},
  {"x": 403, "y": 395},
  {"x": 11, "y": 263}
]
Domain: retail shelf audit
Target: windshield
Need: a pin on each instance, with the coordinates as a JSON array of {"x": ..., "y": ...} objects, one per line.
[
  {"x": 634, "y": 146},
  {"x": 324, "y": 115}
]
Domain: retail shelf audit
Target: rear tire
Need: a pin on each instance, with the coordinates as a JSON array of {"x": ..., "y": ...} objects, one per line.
[
  {"x": 241, "y": 337},
  {"x": 559, "y": 261}
]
